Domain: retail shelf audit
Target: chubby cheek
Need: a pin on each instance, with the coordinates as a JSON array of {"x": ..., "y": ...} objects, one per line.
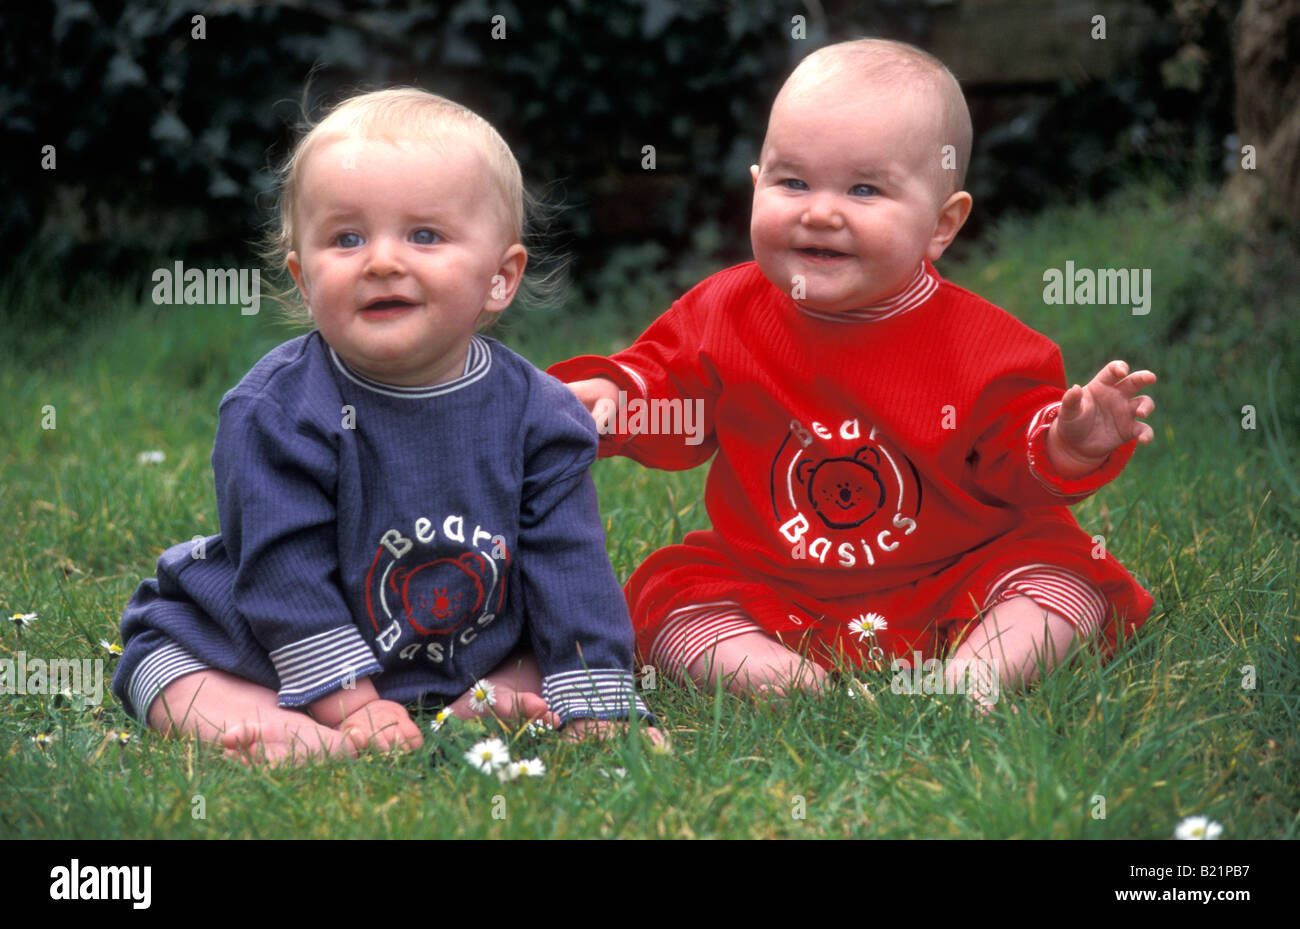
[{"x": 766, "y": 236}]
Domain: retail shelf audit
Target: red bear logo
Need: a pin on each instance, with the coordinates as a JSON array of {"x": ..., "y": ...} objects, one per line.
[
  {"x": 438, "y": 596},
  {"x": 844, "y": 492}
]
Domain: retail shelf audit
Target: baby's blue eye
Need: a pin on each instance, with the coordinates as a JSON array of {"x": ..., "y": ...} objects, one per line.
[
  {"x": 862, "y": 190},
  {"x": 425, "y": 237},
  {"x": 347, "y": 240},
  {"x": 793, "y": 183}
]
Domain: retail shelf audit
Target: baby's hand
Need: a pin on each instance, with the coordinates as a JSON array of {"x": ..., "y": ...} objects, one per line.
[
  {"x": 382, "y": 725},
  {"x": 580, "y": 729},
  {"x": 1100, "y": 417},
  {"x": 600, "y": 396}
]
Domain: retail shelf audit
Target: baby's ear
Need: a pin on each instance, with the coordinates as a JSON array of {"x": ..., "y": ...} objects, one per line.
[
  {"x": 505, "y": 283},
  {"x": 294, "y": 264},
  {"x": 952, "y": 216}
]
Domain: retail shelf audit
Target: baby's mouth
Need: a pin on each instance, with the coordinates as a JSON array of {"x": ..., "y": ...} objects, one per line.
[
  {"x": 391, "y": 304},
  {"x": 823, "y": 252}
]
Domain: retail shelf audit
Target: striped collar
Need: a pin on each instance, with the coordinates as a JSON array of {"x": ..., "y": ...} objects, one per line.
[
  {"x": 920, "y": 289},
  {"x": 478, "y": 360}
]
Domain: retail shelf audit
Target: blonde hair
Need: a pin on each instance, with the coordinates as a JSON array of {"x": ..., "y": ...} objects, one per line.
[
  {"x": 896, "y": 64},
  {"x": 395, "y": 114}
]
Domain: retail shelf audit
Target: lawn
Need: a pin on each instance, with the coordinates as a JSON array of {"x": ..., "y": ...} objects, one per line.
[{"x": 1197, "y": 715}]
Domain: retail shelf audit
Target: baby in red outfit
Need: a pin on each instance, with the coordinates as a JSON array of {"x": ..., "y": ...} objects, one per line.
[{"x": 895, "y": 456}]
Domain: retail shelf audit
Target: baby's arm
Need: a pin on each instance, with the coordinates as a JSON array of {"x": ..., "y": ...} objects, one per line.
[
  {"x": 1098, "y": 418},
  {"x": 577, "y": 615},
  {"x": 275, "y": 472},
  {"x": 1023, "y": 455},
  {"x": 664, "y": 369}
]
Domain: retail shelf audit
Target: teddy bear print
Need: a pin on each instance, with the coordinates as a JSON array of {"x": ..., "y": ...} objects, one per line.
[
  {"x": 438, "y": 596},
  {"x": 844, "y": 492}
]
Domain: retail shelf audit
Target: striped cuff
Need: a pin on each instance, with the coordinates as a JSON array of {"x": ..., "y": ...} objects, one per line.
[
  {"x": 1062, "y": 592},
  {"x": 692, "y": 630},
  {"x": 321, "y": 664},
  {"x": 636, "y": 377},
  {"x": 1070, "y": 490},
  {"x": 155, "y": 672},
  {"x": 593, "y": 694}
]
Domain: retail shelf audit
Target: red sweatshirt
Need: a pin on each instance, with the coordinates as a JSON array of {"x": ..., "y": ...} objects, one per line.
[{"x": 860, "y": 453}]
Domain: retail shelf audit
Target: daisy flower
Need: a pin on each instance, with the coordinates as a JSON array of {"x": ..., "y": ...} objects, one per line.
[
  {"x": 22, "y": 619},
  {"x": 489, "y": 756},
  {"x": 440, "y": 720},
  {"x": 532, "y": 767},
  {"x": 867, "y": 625},
  {"x": 45, "y": 739},
  {"x": 111, "y": 647},
  {"x": 1198, "y": 827},
  {"x": 482, "y": 695},
  {"x": 120, "y": 736},
  {"x": 151, "y": 457},
  {"x": 538, "y": 728}
]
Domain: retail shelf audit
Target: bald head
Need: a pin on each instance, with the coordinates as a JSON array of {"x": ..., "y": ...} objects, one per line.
[{"x": 837, "y": 72}]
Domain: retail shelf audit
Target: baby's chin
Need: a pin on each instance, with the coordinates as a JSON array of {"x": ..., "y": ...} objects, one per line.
[{"x": 839, "y": 302}]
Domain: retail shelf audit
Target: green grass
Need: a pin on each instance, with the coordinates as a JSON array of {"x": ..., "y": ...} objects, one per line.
[{"x": 1206, "y": 516}]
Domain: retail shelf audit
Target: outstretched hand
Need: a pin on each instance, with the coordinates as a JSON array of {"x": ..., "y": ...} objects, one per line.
[{"x": 1099, "y": 417}]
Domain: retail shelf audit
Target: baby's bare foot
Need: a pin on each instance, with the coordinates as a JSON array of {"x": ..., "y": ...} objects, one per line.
[
  {"x": 242, "y": 718},
  {"x": 492, "y": 696},
  {"x": 600, "y": 729},
  {"x": 275, "y": 738}
]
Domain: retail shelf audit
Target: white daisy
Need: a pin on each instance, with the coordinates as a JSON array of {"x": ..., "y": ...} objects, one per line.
[
  {"x": 531, "y": 767},
  {"x": 538, "y": 728},
  {"x": 111, "y": 647},
  {"x": 45, "y": 738},
  {"x": 489, "y": 756},
  {"x": 482, "y": 695},
  {"x": 152, "y": 457},
  {"x": 1198, "y": 827},
  {"x": 440, "y": 720},
  {"x": 22, "y": 619},
  {"x": 867, "y": 625}
]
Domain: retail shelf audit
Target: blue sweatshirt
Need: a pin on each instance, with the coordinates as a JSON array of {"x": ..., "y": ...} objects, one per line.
[{"x": 416, "y": 535}]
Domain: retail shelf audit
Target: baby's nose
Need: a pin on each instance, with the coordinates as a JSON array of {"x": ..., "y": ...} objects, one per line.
[
  {"x": 822, "y": 211},
  {"x": 383, "y": 257}
]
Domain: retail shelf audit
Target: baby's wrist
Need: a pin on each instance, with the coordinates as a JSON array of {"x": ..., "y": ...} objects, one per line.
[{"x": 1065, "y": 460}]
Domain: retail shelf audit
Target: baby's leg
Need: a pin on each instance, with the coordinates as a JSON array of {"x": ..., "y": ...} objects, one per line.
[
  {"x": 516, "y": 691},
  {"x": 1015, "y": 642},
  {"x": 755, "y": 665},
  {"x": 705, "y": 643},
  {"x": 244, "y": 718}
]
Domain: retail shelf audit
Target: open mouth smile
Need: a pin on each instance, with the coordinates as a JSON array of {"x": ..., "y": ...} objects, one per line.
[{"x": 387, "y": 304}]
